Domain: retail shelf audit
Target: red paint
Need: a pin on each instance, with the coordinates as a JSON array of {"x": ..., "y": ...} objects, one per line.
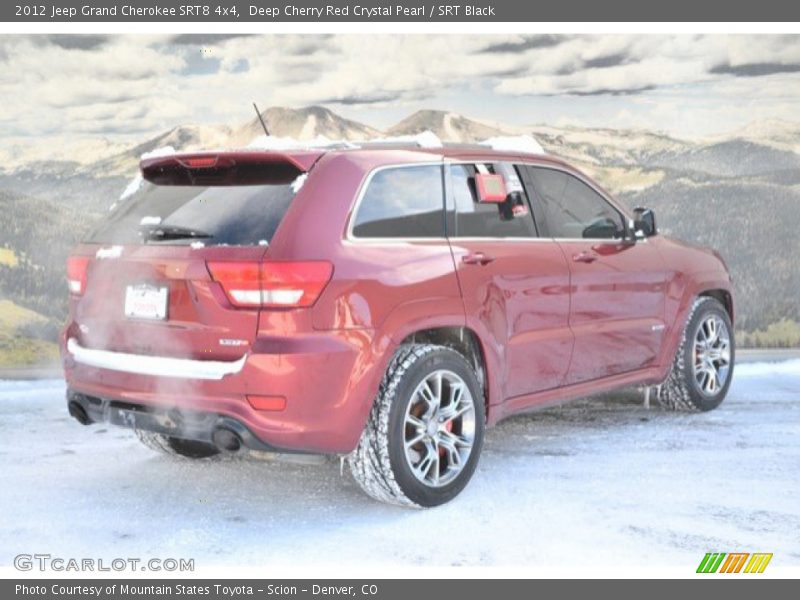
[
  {"x": 555, "y": 319},
  {"x": 267, "y": 402}
]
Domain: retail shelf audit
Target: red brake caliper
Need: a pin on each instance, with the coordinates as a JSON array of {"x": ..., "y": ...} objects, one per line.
[{"x": 448, "y": 427}]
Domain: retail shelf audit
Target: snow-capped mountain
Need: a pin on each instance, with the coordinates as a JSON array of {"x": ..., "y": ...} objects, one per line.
[
  {"x": 448, "y": 126},
  {"x": 779, "y": 133},
  {"x": 760, "y": 146},
  {"x": 605, "y": 146},
  {"x": 185, "y": 137},
  {"x": 301, "y": 124},
  {"x": 738, "y": 192},
  {"x": 21, "y": 153}
]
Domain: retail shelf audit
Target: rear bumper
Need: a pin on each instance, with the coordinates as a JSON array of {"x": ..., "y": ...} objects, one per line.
[{"x": 326, "y": 379}]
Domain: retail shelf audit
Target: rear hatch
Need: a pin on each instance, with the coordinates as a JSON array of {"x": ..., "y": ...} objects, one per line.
[{"x": 177, "y": 268}]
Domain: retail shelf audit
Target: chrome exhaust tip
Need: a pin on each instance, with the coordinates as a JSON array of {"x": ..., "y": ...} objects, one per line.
[
  {"x": 227, "y": 441},
  {"x": 77, "y": 412}
]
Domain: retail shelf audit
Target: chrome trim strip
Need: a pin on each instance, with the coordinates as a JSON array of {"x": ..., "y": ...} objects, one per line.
[
  {"x": 157, "y": 366},
  {"x": 440, "y": 240},
  {"x": 446, "y": 162}
]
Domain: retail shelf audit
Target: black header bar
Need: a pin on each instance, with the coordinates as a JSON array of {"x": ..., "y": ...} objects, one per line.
[
  {"x": 412, "y": 11},
  {"x": 384, "y": 589}
]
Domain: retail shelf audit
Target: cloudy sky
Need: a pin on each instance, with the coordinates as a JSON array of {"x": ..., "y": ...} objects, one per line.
[{"x": 689, "y": 85}]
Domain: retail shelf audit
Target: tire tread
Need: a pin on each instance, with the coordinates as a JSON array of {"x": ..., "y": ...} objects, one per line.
[
  {"x": 675, "y": 393},
  {"x": 164, "y": 444},
  {"x": 369, "y": 462}
]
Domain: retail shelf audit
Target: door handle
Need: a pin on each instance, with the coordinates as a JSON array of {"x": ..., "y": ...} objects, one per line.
[
  {"x": 585, "y": 257},
  {"x": 476, "y": 258}
]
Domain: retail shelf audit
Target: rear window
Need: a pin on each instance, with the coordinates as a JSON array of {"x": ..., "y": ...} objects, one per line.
[
  {"x": 236, "y": 215},
  {"x": 402, "y": 202}
]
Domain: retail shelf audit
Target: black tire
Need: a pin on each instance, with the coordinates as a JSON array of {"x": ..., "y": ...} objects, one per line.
[
  {"x": 176, "y": 446},
  {"x": 681, "y": 390},
  {"x": 379, "y": 463}
]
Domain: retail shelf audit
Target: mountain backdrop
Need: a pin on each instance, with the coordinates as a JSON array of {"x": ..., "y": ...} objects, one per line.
[{"x": 739, "y": 193}]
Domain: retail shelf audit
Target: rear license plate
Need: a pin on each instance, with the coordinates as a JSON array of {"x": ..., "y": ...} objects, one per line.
[{"x": 146, "y": 302}]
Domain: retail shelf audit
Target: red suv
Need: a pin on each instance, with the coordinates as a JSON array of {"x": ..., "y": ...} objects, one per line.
[{"x": 385, "y": 303}]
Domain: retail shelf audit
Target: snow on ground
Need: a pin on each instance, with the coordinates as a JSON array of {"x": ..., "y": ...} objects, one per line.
[{"x": 597, "y": 482}]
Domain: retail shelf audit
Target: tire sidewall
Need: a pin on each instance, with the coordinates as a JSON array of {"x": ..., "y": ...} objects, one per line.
[
  {"x": 701, "y": 400},
  {"x": 414, "y": 489}
]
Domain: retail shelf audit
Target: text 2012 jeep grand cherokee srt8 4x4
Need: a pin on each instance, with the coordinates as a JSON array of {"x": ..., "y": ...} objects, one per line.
[{"x": 385, "y": 303}]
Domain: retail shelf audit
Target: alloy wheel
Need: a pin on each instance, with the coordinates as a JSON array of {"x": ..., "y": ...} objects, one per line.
[
  {"x": 439, "y": 428},
  {"x": 712, "y": 355}
]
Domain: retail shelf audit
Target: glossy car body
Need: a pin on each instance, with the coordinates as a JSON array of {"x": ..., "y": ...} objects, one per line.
[{"x": 553, "y": 319}]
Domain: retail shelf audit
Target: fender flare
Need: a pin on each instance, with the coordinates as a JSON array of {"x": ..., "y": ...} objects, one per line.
[{"x": 679, "y": 305}]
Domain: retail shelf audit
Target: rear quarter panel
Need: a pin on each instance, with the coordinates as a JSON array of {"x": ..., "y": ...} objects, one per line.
[{"x": 381, "y": 290}]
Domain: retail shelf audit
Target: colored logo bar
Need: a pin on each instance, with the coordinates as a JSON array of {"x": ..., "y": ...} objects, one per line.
[{"x": 734, "y": 562}]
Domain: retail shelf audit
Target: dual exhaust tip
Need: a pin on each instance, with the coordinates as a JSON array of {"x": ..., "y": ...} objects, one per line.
[
  {"x": 224, "y": 439},
  {"x": 77, "y": 412}
]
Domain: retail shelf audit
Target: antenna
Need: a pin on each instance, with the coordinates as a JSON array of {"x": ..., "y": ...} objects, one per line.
[{"x": 264, "y": 125}]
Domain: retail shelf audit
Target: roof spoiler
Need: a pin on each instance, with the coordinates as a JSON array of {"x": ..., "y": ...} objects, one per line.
[{"x": 227, "y": 168}]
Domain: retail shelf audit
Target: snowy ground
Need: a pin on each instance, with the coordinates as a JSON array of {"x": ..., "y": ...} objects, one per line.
[{"x": 593, "y": 483}]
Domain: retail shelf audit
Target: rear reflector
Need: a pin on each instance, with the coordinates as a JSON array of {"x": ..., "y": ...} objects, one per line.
[
  {"x": 274, "y": 403},
  {"x": 77, "y": 269},
  {"x": 271, "y": 284}
]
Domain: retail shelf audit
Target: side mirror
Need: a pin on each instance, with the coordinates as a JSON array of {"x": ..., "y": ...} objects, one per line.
[
  {"x": 644, "y": 222},
  {"x": 491, "y": 188}
]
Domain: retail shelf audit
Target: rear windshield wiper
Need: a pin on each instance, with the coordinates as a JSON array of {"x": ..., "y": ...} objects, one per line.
[{"x": 172, "y": 232}]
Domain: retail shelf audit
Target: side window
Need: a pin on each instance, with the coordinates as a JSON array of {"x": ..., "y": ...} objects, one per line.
[
  {"x": 511, "y": 218},
  {"x": 402, "y": 202},
  {"x": 572, "y": 209}
]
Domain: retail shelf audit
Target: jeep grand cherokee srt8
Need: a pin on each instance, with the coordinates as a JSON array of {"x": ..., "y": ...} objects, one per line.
[{"x": 383, "y": 303}]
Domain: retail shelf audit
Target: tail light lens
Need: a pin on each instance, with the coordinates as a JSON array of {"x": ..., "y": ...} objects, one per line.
[
  {"x": 272, "y": 284},
  {"x": 77, "y": 269}
]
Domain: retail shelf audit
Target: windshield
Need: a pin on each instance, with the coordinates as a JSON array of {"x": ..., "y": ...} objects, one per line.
[{"x": 237, "y": 215}]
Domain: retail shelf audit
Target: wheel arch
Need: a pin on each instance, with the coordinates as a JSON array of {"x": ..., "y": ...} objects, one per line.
[
  {"x": 463, "y": 340},
  {"x": 723, "y": 296},
  {"x": 709, "y": 285}
]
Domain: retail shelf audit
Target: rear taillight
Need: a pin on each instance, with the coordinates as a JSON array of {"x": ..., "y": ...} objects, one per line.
[
  {"x": 271, "y": 284},
  {"x": 77, "y": 269}
]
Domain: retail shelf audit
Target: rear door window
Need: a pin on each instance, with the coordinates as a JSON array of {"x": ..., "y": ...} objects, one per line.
[
  {"x": 235, "y": 215},
  {"x": 511, "y": 218},
  {"x": 402, "y": 202}
]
